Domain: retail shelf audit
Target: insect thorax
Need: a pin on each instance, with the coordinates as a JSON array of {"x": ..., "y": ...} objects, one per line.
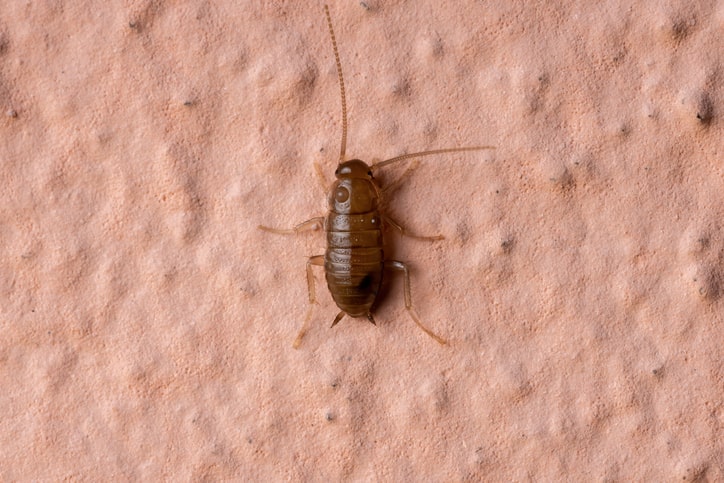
[{"x": 350, "y": 196}]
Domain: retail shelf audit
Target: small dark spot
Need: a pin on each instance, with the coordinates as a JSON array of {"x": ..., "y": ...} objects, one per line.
[
  {"x": 619, "y": 56},
  {"x": 329, "y": 416},
  {"x": 135, "y": 25},
  {"x": 402, "y": 88},
  {"x": 507, "y": 245},
  {"x": 369, "y": 5},
  {"x": 462, "y": 232},
  {"x": 366, "y": 282},
  {"x": 11, "y": 113},
  {"x": 188, "y": 103},
  {"x": 710, "y": 281},
  {"x": 704, "y": 109},
  {"x": 680, "y": 28},
  {"x": 564, "y": 181},
  {"x": 249, "y": 440}
]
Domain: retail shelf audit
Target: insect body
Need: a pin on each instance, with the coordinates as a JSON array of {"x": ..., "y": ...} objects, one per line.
[{"x": 354, "y": 261}]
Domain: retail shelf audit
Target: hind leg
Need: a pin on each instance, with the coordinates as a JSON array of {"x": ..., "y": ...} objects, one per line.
[
  {"x": 319, "y": 261},
  {"x": 395, "y": 265}
]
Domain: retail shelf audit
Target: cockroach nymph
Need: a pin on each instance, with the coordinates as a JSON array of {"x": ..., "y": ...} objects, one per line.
[{"x": 354, "y": 260}]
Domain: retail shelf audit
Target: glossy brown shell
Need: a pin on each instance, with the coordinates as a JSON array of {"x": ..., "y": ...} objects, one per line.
[{"x": 353, "y": 261}]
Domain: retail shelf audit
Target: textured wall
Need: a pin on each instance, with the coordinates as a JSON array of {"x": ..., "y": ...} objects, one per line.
[{"x": 146, "y": 324}]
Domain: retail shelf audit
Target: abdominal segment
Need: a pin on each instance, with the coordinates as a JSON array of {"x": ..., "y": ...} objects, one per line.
[{"x": 353, "y": 263}]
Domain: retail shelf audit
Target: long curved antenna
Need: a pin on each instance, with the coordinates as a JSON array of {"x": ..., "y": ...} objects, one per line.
[
  {"x": 428, "y": 153},
  {"x": 341, "y": 86}
]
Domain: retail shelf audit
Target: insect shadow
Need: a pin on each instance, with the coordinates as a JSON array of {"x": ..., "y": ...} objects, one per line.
[{"x": 354, "y": 261}]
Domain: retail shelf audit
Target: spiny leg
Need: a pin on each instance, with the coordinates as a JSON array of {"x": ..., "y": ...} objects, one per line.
[
  {"x": 319, "y": 261},
  {"x": 395, "y": 265},
  {"x": 303, "y": 226},
  {"x": 404, "y": 232}
]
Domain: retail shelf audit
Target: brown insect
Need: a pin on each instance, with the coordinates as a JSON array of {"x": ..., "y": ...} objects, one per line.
[{"x": 354, "y": 261}]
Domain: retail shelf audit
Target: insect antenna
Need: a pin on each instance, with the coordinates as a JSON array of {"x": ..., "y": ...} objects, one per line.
[
  {"x": 341, "y": 86},
  {"x": 428, "y": 153}
]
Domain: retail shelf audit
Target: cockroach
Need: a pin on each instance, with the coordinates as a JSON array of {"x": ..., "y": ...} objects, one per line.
[{"x": 354, "y": 261}]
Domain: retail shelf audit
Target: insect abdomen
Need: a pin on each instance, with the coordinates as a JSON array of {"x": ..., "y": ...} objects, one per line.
[{"x": 353, "y": 261}]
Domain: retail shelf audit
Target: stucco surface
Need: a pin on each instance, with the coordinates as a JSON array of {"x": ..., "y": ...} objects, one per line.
[{"x": 146, "y": 323}]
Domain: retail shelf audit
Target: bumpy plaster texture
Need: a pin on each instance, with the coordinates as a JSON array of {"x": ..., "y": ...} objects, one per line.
[{"x": 146, "y": 323}]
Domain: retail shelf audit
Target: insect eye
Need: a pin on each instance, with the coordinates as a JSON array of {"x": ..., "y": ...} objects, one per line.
[{"x": 341, "y": 194}]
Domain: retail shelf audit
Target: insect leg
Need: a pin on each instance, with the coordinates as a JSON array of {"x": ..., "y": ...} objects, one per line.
[
  {"x": 303, "y": 226},
  {"x": 404, "y": 232},
  {"x": 395, "y": 265},
  {"x": 322, "y": 179},
  {"x": 319, "y": 261},
  {"x": 391, "y": 187}
]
